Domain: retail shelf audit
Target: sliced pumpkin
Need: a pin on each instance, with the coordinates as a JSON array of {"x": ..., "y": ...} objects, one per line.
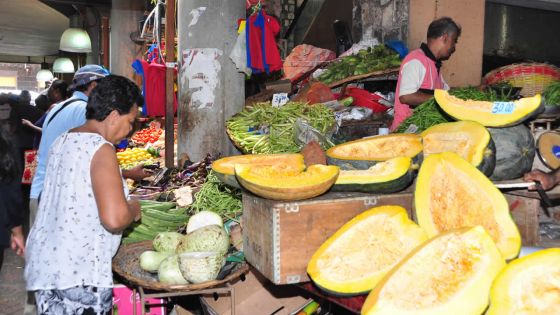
[
  {"x": 449, "y": 274},
  {"x": 364, "y": 153},
  {"x": 272, "y": 183},
  {"x": 529, "y": 285},
  {"x": 224, "y": 167},
  {"x": 489, "y": 114},
  {"x": 384, "y": 177},
  {"x": 451, "y": 193},
  {"x": 362, "y": 251},
  {"x": 469, "y": 139}
]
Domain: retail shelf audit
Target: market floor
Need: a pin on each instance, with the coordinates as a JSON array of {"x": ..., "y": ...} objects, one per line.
[{"x": 12, "y": 286}]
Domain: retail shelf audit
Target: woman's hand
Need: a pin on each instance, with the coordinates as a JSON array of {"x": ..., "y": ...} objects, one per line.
[
  {"x": 547, "y": 180},
  {"x": 27, "y": 123},
  {"x": 17, "y": 241},
  {"x": 135, "y": 208}
]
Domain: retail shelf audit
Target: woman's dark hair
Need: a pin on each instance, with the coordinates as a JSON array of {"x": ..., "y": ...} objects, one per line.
[
  {"x": 113, "y": 92},
  {"x": 442, "y": 26},
  {"x": 61, "y": 86},
  {"x": 9, "y": 168},
  {"x": 42, "y": 102}
]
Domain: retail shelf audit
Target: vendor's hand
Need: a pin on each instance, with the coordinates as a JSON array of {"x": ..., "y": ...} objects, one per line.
[
  {"x": 135, "y": 208},
  {"x": 547, "y": 180},
  {"x": 17, "y": 241},
  {"x": 137, "y": 173}
]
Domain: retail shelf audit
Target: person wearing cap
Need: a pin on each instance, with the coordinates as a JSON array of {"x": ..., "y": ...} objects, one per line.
[{"x": 419, "y": 74}]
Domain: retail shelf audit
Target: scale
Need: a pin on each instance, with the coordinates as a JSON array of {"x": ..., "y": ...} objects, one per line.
[{"x": 548, "y": 149}]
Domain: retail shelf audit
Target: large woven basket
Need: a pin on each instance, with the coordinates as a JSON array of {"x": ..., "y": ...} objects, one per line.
[
  {"x": 126, "y": 264},
  {"x": 533, "y": 78}
]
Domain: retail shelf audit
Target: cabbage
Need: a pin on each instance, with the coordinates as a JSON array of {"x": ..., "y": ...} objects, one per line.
[
  {"x": 211, "y": 238},
  {"x": 150, "y": 260},
  {"x": 169, "y": 272},
  {"x": 199, "y": 267},
  {"x": 202, "y": 219},
  {"x": 167, "y": 241}
]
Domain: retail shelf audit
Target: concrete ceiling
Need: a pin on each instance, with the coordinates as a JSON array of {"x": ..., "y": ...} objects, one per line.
[{"x": 30, "y": 28}]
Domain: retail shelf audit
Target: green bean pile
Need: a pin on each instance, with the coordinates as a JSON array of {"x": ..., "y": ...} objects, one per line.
[
  {"x": 217, "y": 197},
  {"x": 552, "y": 94},
  {"x": 429, "y": 114},
  {"x": 261, "y": 128}
]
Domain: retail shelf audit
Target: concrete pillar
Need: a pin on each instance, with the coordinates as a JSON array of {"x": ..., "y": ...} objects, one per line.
[
  {"x": 210, "y": 88},
  {"x": 465, "y": 66},
  {"x": 125, "y": 15}
]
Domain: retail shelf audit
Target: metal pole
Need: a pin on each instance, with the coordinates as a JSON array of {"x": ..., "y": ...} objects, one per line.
[{"x": 169, "y": 75}]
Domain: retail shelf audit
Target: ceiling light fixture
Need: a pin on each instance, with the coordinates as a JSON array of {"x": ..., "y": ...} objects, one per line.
[
  {"x": 63, "y": 65},
  {"x": 44, "y": 74},
  {"x": 75, "y": 39}
]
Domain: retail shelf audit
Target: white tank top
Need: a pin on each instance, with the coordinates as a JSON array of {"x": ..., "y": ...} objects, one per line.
[{"x": 67, "y": 245}]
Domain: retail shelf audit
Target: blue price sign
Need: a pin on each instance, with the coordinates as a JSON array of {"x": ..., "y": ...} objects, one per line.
[
  {"x": 279, "y": 99},
  {"x": 503, "y": 107}
]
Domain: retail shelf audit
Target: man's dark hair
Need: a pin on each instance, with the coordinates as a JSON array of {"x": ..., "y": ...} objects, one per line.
[
  {"x": 42, "y": 102},
  {"x": 442, "y": 26},
  {"x": 61, "y": 86},
  {"x": 112, "y": 93},
  {"x": 84, "y": 87}
]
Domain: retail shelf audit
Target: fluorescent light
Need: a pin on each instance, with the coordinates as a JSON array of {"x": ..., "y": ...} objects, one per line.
[
  {"x": 75, "y": 40},
  {"x": 63, "y": 65}
]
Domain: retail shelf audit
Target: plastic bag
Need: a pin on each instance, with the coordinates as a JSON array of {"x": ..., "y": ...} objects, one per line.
[
  {"x": 239, "y": 54},
  {"x": 304, "y": 133}
]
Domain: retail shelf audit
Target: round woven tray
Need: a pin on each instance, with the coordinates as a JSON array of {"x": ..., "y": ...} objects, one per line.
[
  {"x": 235, "y": 143},
  {"x": 127, "y": 265}
]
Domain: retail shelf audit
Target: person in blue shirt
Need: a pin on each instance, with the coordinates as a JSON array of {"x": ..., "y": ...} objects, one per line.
[{"x": 66, "y": 115}]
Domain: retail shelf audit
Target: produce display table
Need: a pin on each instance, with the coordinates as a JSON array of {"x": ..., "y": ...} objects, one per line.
[{"x": 126, "y": 264}]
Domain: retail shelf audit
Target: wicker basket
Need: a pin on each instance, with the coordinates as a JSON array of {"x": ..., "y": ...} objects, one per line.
[
  {"x": 126, "y": 263},
  {"x": 533, "y": 78}
]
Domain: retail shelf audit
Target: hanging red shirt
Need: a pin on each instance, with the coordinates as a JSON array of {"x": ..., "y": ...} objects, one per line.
[
  {"x": 154, "y": 89},
  {"x": 267, "y": 59}
]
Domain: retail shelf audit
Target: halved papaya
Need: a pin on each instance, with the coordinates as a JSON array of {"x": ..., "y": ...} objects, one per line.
[
  {"x": 469, "y": 139},
  {"x": 286, "y": 184},
  {"x": 451, "y": 193},
  {"x": 364, "y": 153},
  {"x": 489, "y": 114},
  {"x": 449, "y": 274},
  {"x": 529, "y": 285},
  {"x": 384, "y": 177},
  {"x": 362, "y": 251},
  {"x": 224, "y": 167}
]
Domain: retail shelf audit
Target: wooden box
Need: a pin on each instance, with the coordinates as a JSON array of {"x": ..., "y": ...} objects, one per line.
[{"x": 279, "y": 237}]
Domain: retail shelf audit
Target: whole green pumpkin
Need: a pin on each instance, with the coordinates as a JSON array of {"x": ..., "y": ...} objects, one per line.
[{"x": 515, "y": 151}]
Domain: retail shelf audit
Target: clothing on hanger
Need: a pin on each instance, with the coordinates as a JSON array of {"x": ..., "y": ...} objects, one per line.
[{"x": 262, "y": 51}]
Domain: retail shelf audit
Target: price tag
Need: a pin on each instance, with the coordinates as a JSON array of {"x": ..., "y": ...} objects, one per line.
[
  {"x": 279, "y": 99},
  {"x": 503, "y": 107}
]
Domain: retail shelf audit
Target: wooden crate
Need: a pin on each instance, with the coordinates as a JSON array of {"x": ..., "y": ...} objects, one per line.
[{"x": 279, "y": 238}]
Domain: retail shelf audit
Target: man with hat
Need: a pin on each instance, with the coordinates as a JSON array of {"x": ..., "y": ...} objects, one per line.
[{"x": 64, "y": 116}]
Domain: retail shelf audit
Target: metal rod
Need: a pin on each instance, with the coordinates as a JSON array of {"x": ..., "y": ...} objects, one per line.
[{"x": 169, "y": 82}]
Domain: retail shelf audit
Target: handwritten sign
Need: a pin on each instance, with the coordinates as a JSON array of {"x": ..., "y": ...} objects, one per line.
[
  {"x": 503, "y": 107},
  {"x": 279, "y": 99}
]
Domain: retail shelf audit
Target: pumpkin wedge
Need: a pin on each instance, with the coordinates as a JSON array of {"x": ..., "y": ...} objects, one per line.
[
  {"x": 489, "y": 114},
  {"x": 529, "y": 285},
  {"x": 364, "y": 153},
  {"x": 450, "y": 274},
  {"x": 362, "y": 251},
  {"x": 385, "y": 177},
  {"x": 451, "y": 193},
  {"x": 469, "y": 139},
  {"x": 286, "y": 184},
  {"x": 224, "y": 167}
]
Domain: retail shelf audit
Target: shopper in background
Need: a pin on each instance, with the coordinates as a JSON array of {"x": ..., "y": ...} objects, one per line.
[
  {"x": 420, "y": 73},
  {"x": 11, "y": 201},
  {"x": 22, "y": 109},
  {"x": 57, "y": 92},
  {"x": 83, "y": 208}
]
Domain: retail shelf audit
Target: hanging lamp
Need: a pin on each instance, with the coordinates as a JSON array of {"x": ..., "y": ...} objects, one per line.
[
  {"x": 63, "y": 65},
  {"x": 75, "y": 39},
  {"x": 44, "y": 74}
]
